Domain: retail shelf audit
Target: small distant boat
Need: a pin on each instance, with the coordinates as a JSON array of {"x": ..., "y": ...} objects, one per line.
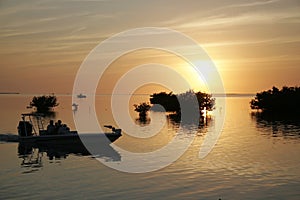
[
  {"x": 81, "y": 96},
  {"x": 35, "y": 132}
]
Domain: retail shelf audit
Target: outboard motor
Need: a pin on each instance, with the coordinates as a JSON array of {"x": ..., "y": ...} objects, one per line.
[
  {"x": 116, "y": 130},
  {"x": 25, "y": 128}
]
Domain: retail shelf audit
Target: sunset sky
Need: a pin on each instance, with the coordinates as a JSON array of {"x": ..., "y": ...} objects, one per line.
[{"x": 254, "y": 44}]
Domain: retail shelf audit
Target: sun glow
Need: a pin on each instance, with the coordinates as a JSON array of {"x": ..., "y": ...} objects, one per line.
[
  {"x": 196, "y": 82},
  {"x": 134, "y": 59}
]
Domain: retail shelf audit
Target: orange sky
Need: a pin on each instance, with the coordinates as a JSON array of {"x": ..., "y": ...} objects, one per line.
[{"x": 254, "y": 44}]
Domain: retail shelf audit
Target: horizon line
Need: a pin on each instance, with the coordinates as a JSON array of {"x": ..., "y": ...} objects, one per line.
[{"x": 229, "y": 94}]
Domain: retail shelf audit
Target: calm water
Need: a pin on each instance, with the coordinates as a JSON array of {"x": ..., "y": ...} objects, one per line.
[{"x": 255, "y": 158}]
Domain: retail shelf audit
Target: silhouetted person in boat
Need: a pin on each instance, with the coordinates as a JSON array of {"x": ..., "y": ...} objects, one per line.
[
  {"x": 63, "y": 129},
  {"x": 57, "y": 126},
  {"x": 51, "y": 128}
]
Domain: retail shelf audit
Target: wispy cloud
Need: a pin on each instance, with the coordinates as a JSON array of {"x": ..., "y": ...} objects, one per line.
[
  {"x": 278, "y": 40},
  {"x": 251, "y": 4},
  {"x": 223, "y": 20},
  {"x": 236, "y": 13}
]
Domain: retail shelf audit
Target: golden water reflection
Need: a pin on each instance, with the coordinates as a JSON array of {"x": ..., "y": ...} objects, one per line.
[{"x": 247, "y": 162}]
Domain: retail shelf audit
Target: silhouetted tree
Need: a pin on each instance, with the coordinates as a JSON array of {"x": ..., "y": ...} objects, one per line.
[
  {"x": 44, "y": 103},
  {"x": 167, "y": 100},
  {"x": 205, "y": 101},
  {"x": 142, "y": 109},
  {"x": 171, "y": 104},
  {"x": 278, "y": 101}
]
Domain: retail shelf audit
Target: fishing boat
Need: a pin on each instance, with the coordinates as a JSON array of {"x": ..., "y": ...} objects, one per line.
[{"x": 31, "y": 129}]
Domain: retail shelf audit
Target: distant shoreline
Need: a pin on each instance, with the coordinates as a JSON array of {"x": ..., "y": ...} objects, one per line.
[
  {"x": 68, "y": 94},
  {"x": 233, "y": 95},
  {"x": 9, "y": 93}
]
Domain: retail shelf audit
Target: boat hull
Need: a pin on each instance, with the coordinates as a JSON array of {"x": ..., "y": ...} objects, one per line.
[
  {"x": 70, "y": 138},
  {"x": 96, "y": 146}
]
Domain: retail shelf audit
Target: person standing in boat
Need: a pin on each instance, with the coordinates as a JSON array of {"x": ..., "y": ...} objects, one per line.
[{"x": 51, "y": 128}]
